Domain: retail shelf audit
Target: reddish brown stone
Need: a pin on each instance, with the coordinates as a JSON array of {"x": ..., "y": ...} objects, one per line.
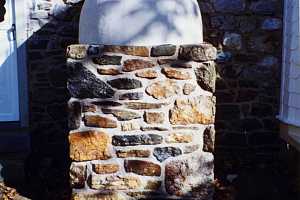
[
  {"x": 149, "y": 74},
  {"x": 109, "y": 71},
  {"x": 128, "y": 50},
  {"x": 133, "y": 153},
  {"x": 99, "y": 121},
  {"x": 89, "y": 145},
  {"x": 89, "y": 107},
  {"x": 153, "y": 185},
  {"x": 136, "y": 64},
  {"x": 106, "y": 168},
  {"x": 176, "y": 74},
  {"x": 143, "y": 168}
]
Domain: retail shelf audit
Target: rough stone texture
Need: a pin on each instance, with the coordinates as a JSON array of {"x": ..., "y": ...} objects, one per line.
[
  {"x": 108, "y": 60},
  {"x": 153, "y": 185},
  {"x": 198, "y": 53},
  {"x": 106, "y": 168},
  {"x": 142, "y": 167},
  {"x": 149, "y": 74},
  {"x": 176, "y": 74},
  {"x": 125, "y": 83},
  {"x": 77, "y": 51},
  {"x": 121, "y": 115},
  {"x": 199, "y": 110},
  {"x": 153, "y": 128},
  {"x": 132, "y": 96},
  {"x": 77, "y": 175},
  {"x": 154, "y": 117},
  {"x": 74, "y": 114},
  {"x": 84, "y": 84},
  {"x": 134, "y": 51},
  {"x": 179, "y": 138},
  {"x": 163, "y": 50},
  {"x": 206, "y": 76},
  {"x": 130, "y": 126},
  {"x": 144, "y": 105},
  {"x": 135, "y": 64},
  {"x": 193, "y": 175},
  {"x": 114, "y": 182},
  {"x": 209, "y": 139},
  {"x": 97, "y": 196},
  {"x": 89, "y": 145},
  {"x": 109, "y": 71},
  {"x": 188, "y": 88},
  {"x": 133, "y": 153},
  {"x": 134, "y": 140},
  {"x": 163, "y": 89},
  {"x": 163, "y": 153},
  {"x": 99, "y": 121}
]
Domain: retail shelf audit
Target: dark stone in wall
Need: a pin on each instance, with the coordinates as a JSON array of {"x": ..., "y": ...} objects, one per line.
[
  {"x": 163, "y": 153},
  {"x": 84, "y": 84},
  {"x": 133, "y": 140},
  {"x": 125, "y": 83}
]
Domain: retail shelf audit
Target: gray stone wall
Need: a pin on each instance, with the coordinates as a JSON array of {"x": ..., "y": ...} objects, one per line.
[
  {"x": 142, "y": 121},
  {"x": 248, "y": 35}
]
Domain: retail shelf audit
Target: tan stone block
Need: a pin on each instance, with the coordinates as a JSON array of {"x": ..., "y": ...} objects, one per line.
[
  {"x": 133, "y": 153},
  {"x": 114, "y": 182},
  {"x": 128, "y": 50},
  {"x": 163, "y": 89},
  {"x": 106, "y": 168},
  {"x": 179, "y": 138},
  {"x": 109, "y": 71},
  {"x": 89, "y": 145},
  {"x": 154, "y": 117},
  {"x": 199, "y": 110},
  {"x": 78, "y": 51},
  {"x": 130, "y": 126},
  {"x": 99, "y": 121},
  {"x": 97, "y": 196},
  {"x": 149, "y": 74},
  {"x": 176, "y": 73}
]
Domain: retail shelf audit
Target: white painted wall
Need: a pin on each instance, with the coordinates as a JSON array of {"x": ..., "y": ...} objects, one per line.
[{"x": 141, "y": 22}]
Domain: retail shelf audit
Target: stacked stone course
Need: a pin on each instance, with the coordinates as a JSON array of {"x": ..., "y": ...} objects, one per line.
[{"x": 142, "y": 121}]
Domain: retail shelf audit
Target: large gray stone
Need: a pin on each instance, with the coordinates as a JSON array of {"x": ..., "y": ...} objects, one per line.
[{"x": 84, "y": 84}]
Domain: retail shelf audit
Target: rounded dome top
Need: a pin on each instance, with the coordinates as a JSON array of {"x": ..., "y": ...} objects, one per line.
[{"x": 140, "y": 22}]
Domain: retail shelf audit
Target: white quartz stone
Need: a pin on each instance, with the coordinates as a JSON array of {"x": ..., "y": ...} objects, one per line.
[{"x": 140, "y": 22}]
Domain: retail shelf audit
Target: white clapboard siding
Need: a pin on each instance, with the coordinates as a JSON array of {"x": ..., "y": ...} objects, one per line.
[
  {"x": 290, "y": 87},
  {"x": 9, "y": 98}
]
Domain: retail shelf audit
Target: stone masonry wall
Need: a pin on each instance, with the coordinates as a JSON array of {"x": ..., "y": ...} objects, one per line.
[
  {"x": 248, "y": 35},
  {"x": 142, "y": 121},
  {"x": 247, "y": 87}
]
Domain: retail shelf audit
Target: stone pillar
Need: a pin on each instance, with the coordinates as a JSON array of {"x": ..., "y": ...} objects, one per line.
[{"x": 142, "y": 121}]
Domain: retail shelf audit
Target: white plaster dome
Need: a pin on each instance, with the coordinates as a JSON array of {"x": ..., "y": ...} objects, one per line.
[{"x": 140, "y": 22}]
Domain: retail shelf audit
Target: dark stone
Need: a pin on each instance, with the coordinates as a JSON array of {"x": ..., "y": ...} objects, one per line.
[
  {"x": 84, "y": 84},
  {"x": 2, "y": 10},
  {"x": 134, "y": 140},
  {"x": 163, "y": 50},
  {"x": 154, "y": 128},
  {"x": 107, "y": 103},
  {"x": 121, "y": 115},
  {"x": 206, "y": 76},
  {"x": 209, "y": 139},
  {"x": 125, "y": 83},
  {"x": 93, "y": 50},
  {"x": 229, "y": 5},
  {"x": 163, "y": 153},
  {"x": 74, "y": 111},
  {"x": 108, "y": 60},
  {"x": 132, "y": 96},
  {"x": 198, "y": 53},
  {"x": 264, "y": 6},
  {"x": 141, "y": 167}
]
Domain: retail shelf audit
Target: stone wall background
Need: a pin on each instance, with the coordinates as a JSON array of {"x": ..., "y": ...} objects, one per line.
[{"x": 248, "y": 36}]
